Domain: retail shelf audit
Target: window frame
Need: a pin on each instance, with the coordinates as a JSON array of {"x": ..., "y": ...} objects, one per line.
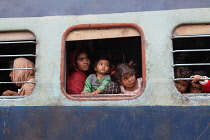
[
  {"x": 106, "y": 97},
  {"x": 17, "y": 37},
  {"x": 190, "y": 31}
]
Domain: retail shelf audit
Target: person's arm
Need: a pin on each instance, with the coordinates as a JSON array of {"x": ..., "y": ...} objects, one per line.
[
  {"x": 197, "y": 78},
  {"x": 10, "y": 93},
  {"x": 205, "y": 84},
  {"x": 95, "y": 92},
  {"x": 75, "y": 84},
  {"x": 27, "y": 89},
  {"x": 87, "y": 87}
]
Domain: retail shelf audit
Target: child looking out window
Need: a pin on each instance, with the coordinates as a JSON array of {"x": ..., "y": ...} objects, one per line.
[
  {"x": 96, "y": 83},
  {"x": 182, "y": 72},
  {"x": 126, "y": 77}
]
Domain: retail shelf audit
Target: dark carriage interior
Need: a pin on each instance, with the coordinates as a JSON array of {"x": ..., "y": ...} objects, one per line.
[
  {"x": 13, "y": 49},
  {"x": 200, "y": 57},
  {"x": 193, "y": 57}
]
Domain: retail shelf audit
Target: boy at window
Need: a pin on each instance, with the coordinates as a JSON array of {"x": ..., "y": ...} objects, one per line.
[
  {"x": 96, "y": 83},
  {"x": 182, "y": 72}
]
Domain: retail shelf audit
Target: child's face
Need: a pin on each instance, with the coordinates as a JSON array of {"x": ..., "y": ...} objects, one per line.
[
  {"x": 128, "y": 80},
  {"x": 195, "y": 88},
  {"x": 83, "y": 62},
  {"x": 102, "y": 67},
  {"x": 182, "y": 85}
]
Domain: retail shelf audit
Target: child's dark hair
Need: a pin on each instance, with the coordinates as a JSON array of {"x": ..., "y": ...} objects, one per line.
[
  {"x": 182, "y": 72},
  {"x": 122, "y": 69},
  {"x": 99, "y": 59}
]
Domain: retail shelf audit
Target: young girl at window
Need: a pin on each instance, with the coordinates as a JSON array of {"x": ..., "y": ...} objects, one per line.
[
  {"x": 126, "y": 77},
  {"x": 96, "y": 83}
]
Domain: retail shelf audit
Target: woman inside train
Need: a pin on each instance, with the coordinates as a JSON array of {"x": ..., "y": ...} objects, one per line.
[
  {"x": 79, "y": 66},
  {"x": 21, "y": 76}
]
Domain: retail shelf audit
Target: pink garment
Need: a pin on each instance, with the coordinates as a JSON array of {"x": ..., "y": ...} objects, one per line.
[
  {"x": 76, "y": 80},
  {"x": 23, "y": 75},
  {"x": 123, "y": 91},
  {"x": 27, "y": 88}
]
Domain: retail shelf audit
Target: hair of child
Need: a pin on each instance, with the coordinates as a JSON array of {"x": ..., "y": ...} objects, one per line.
[
  {"x": 101, "y": 58},
  {"x": 122, "y": 69},
  {"x": 182, "y": 72}
]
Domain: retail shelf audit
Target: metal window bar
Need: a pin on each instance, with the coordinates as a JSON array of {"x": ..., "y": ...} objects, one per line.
[
  {"x": 18, "y": 55},
  {"x": 193, "y": 64},
  {"x": 193, "y": 50},
  {"x": 191, "y": 36},
  {"x": 11, "y": 97},
  {"x": 176, "y": 79},
  {"x": 19, "y": 69},
  {"x": 16, "y": 82},
  {"x": 16, "y": 42}
]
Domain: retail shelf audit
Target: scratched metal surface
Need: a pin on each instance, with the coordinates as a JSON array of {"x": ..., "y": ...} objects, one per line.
[
  {"x": 38, "y": 8},
  {"x": 93, "y": 123}
]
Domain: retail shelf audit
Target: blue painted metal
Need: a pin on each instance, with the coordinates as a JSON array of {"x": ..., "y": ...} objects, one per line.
[
  {"x": 39, "y": 8},
  {"x": 113, "y": 123}
]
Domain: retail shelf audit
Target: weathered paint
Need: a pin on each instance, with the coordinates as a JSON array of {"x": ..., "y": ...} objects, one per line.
[
  {"x": 113, "y": 123},
  {"x": 39, "y": 8},
  {"x": 157, "y": 26}
]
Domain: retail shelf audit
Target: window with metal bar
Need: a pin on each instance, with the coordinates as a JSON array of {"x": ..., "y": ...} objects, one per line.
[
  {"x": 120, "y": 43},
  {"x": 13, "y": 45},
  {"x": 191, "y": 55}
]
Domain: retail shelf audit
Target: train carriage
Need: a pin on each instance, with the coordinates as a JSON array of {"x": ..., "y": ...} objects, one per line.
[{"x": 158, "y": 35}]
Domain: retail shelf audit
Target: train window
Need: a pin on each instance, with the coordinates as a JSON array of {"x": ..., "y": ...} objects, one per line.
[
  {"x": 120, "y": 43},
  {"x": 17, "y": 58},
  {"x": 191, "y": 55}
]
